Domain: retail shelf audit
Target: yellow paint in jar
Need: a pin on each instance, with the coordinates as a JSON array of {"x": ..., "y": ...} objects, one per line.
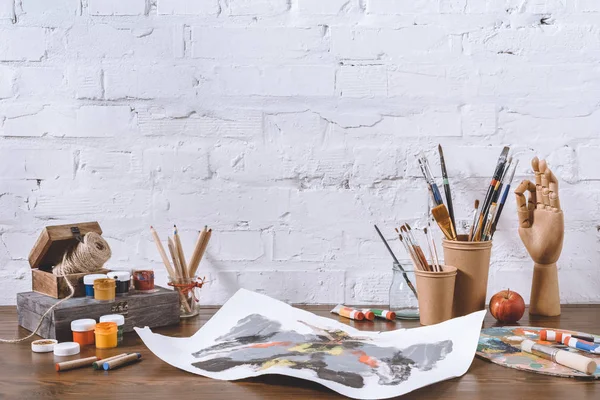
[
  {"x": 104, "y": 289},
  {"x": 106, "y": 335}
]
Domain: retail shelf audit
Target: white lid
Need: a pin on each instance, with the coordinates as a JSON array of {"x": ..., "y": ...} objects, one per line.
[
  {"x": 117, "y": 318},
  {"x": 119, "y": 275},
  {"x": 66, "y": 349},
  {"x": 89, "y": 279},
  {"x": 43, "y": 345},
  {"x": 83, "y": 325}
]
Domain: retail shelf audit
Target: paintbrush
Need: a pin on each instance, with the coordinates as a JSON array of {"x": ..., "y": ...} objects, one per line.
[
  {"x": 406, "y": 228},
  {"x": 490, "y": 192},
  {"x": 412, "y": 246},
  {"x": 472, "y": 230},
  {"x": 441, "y": 216},
  {"x": 507, "y": 182},
  {"x": 410, "y": 251},
  {"x": 446, "y": 186},
  {"x": 433, "y": 188},
  {"x": 433, "y": 263},
  {"x": 408, "y": 282}
]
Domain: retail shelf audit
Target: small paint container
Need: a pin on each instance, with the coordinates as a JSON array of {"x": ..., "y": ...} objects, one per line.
[
  {"x": 43, "y": 345},
  {"x": 123, "y": 279},
  {"x": 117, "y": 319},
  {"x": 66, "y": 349},
  {"x": 106, "y": 335},
  {"x": 83, "y": 331},
  {"x": 104, "y": 289},
  {"x": 143, "y": 280},
  {"x": 88, "y": 281}
]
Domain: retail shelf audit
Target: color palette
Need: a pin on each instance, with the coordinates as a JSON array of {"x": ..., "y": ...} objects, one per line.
[{"x": 502, "y": 346}]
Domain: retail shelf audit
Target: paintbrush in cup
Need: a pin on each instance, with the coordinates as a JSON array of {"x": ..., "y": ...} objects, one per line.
[
  {"x": 387, "y": 246},
  {"x": 472, "y": 230},
  {"x": 447, "y": 190},
  {"x": 406, "y": 228},
  {"x": 433, "y": 263},
  {"x": 410, "y": 251},
  {"x": 441, "y": 216}
]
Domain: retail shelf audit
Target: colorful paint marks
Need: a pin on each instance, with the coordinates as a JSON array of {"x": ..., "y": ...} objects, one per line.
[{"x": 502, "y": 346}]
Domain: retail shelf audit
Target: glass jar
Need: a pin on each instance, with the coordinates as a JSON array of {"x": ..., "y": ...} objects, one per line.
[
  {"x": 403, "y": 293},
  {"x": 188, "y": 289}
]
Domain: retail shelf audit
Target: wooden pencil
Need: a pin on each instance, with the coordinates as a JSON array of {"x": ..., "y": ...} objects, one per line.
[
  {"x": 203, "y": 247},
  {"x": 180, "y": 254},
  {"x": 161, "y": 251},
  {"x": 175, "y": 257},
  {"x": 195, "y": 260}
]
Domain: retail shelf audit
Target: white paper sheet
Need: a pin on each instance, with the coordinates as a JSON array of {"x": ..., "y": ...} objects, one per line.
[{"x": 253, "y": 334}]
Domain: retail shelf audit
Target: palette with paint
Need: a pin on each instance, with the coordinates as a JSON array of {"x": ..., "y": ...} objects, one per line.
[{"x": 502, "y": 346}]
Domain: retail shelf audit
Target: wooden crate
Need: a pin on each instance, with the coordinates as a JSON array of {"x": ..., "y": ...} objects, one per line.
[
  {"x": 149, "y": 309},
  {"x": 48, "y": 250}
]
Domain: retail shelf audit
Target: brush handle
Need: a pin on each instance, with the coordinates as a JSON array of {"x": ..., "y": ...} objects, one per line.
[
  {"x": 449, "y": 200},
  {"x": 437, "y": 196},
  {"x": 500, "y": 208},
  {"x": 408, "y": 282}
]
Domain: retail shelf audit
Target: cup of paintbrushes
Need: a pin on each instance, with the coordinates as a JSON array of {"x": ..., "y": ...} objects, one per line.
[
  {"x": 472, "y": 260},
  {"x": 436, "y": 294},
  {"x": 188, "y": 289}
]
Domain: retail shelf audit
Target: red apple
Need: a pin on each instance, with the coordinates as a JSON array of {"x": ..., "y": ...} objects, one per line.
[{"x": 507, "y": 306}]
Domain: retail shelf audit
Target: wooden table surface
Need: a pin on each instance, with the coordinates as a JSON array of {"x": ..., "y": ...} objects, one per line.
[{"x": 27, "y": 375}]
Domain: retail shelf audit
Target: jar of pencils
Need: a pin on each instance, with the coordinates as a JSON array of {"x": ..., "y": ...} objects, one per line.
[
  {"x": 188, "y": 289},
  {"x": 403, "y": 292}
]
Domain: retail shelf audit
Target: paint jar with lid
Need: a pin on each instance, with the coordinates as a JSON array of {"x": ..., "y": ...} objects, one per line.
[
  {"x": 106, "y": 335},
  {"x": 104, "y": 289},
  {"x": 143, "y": 280},
  {"x": 83, "y": 331},
  {"x": 117, "y": 319},
  {"x": 123, "y": 279},
  {"x": 88, "y": 282}
]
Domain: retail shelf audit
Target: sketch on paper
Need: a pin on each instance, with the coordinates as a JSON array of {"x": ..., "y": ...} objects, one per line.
[
  {"x": 333, "y": 355},
  {"x": 253, "y": 335}
]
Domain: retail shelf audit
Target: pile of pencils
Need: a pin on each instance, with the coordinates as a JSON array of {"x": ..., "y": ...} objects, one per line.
[
  {"x": 182, "y": 273},
  {"x": 485, "y": 219}
]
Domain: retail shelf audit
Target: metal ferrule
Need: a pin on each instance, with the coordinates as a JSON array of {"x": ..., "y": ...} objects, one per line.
[{"x": 549, "y": 353}]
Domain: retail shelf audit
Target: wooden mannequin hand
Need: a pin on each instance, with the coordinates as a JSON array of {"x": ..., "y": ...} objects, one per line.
[{"x": 541, "y": 221}]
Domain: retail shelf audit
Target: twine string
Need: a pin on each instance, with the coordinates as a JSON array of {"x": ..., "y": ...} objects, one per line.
[{"x": 186, "y": 288}]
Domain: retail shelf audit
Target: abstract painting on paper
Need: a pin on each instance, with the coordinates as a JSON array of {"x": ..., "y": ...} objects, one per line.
[{"x": 253, "y": 334}]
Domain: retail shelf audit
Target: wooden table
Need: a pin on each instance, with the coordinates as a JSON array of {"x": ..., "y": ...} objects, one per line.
[{"x": 27, "y": 375}]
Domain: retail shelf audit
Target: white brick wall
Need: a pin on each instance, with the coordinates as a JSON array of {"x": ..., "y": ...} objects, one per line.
[{"x": 290, "y": 127}]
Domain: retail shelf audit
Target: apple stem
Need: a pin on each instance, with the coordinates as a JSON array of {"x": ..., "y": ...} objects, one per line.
[{"x": 508, "y": 294}]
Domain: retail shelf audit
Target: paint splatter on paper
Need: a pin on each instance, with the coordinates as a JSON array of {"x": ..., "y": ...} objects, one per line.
[
  {"x": 502, "y": 346},
  {"x": 253, "y": 335}
]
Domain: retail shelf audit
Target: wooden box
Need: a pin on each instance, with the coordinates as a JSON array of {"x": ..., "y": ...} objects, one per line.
[
  {"x": 48, "y": 251},
  {"x": 149, "y": 309}
]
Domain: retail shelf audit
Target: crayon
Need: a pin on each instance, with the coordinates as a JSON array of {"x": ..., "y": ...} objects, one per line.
[
  {"x": 98, "y": 365},
  {"x": 385, "y": 314},
  {"x": 348, "y": 312},
  {"x": 368, "y": 314},
  {"x": 582, "y": 345},
  {"x": 83, "y": 362},
  {"x": 119, "y": 362}
]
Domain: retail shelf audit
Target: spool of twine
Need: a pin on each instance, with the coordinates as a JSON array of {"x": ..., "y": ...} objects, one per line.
[{"x": 85, "y": 257}]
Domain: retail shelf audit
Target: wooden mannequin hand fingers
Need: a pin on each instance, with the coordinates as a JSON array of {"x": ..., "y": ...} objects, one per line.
[
  {"x": 554, "y": 202},
  {"x": 546, "y": 198},
  {"x": 535, "y": 164},
  {"x": 552, "y": 181},
  {"x": 543, "y": 169},
  {"x": 524, "y": 219},
  {"x": 521, "y": 202}
]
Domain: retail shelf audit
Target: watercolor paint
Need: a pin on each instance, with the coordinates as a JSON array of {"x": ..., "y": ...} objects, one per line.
[
  {"x": 83, "y": 331},
  {"x": 143, "y": 280},
  {"x": 369, "y": 315},
  {"x": 117, "y": 319},
  {"x": 348, "y": 312},
  {"x": 385, "y": 314},
  {"x": 123, "y": 281},
  {"x": 106, "y": 335},
  {"x": 104, "y": 289},
  {"x": 88, "y": 282},
  {"x": 582, "y": 345}
]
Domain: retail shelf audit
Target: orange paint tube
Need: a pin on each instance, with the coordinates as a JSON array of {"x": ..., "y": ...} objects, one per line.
[{"x": 348, "y": 312}]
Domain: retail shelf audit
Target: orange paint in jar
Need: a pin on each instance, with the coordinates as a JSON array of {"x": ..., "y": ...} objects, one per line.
[
  {"x": 83, "y": 331},
  {"x": 106, "y": 335},
  {"x": 143, "y": 280},
  {"x": 104, "y": 289}
]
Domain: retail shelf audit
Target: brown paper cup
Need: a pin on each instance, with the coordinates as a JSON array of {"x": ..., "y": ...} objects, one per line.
[
  {"x": 472, "y": 259},
  {"x": 436, "y": 291}
]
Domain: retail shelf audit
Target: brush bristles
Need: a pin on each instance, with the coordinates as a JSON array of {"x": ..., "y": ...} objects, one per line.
[
  {"x": 442, "y": 217},
  {"x": 476, "y": 204}
]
